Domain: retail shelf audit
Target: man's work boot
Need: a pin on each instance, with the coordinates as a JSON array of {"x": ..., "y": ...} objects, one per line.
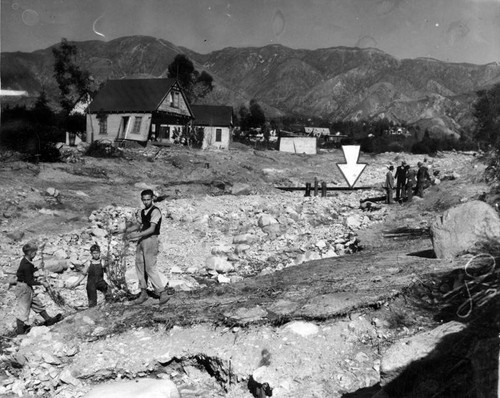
[
  {"x": 54, "y": 319},
  {"x": 21, "y": 327},
  {"x": 49, "y": 321},
  {"x": 142, "y": 298},
  {"x": 166, "y": 295}
]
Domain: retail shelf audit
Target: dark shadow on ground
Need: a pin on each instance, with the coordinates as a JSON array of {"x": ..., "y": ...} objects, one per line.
[
  {"x": 423, "y": 253},
  {"x": 367, "y": 392},
  {"x": 463, "y": 364}
]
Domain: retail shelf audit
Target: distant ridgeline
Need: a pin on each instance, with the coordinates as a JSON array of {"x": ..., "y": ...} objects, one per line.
[{"x": 339, "y": 83}]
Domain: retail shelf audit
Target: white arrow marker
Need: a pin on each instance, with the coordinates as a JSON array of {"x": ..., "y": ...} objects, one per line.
[{"x": 351, "y": 169}]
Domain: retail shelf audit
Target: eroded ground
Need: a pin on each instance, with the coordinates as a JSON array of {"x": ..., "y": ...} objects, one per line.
[{"x": 307, "y": 328}]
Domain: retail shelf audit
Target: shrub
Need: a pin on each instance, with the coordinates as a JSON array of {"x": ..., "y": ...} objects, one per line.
[{"x": 103, "y": 149}]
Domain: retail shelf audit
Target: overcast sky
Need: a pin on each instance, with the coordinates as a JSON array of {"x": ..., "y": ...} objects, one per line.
[{"x": 449, "y": 30}]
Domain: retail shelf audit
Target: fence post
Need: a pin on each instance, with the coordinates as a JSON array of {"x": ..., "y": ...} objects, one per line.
[
  {"x": 308, "y": 189},
  {"x": 323, "y": 189},
  {"x": 315, "y": 186}
]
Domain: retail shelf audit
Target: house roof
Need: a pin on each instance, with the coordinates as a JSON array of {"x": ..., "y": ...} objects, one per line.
[
  {"x": 212, "y": 115},
  {"x": 131, "y": 95}
]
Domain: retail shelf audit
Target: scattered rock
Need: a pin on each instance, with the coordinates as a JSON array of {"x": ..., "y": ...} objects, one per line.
[
  {"x": 56, "y": 265},
  {"x": 353, "y": 222},
  {"x": 244, "y": 239},
  {"x": 218, "y": 264},
  {"x": 67, "y": 377},
  {"x": 241, "y": 189},
  {"x": 303, "y": 329},
  {"x": 139, "y": 388},
  {"x": 15, "y": 235},
  {"x": 52, "y": 192},
  {"x": 99, "y": 232},
  {"x": 266, "y": 220}
]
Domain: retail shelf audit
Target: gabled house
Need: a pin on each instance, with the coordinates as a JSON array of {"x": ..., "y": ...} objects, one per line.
[
  {"x": 138, "y": 110},
  {"x": 215, "y": 122}
]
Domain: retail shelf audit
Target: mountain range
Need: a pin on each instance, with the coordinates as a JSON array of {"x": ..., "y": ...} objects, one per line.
[{"x": 331, "y": 83}]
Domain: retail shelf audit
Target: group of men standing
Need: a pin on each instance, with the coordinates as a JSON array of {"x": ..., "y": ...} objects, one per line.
[{"x": 406, "y": 181}]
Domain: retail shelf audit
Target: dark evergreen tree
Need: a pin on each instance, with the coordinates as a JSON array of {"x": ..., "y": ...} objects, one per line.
[
  {"x": 487, "y": 114},
  {"x": 196, "y": 85},
  {"x": 73, "y": 82},
  {"x": 244, "y": 115},
  {"x": 257, "y": 116}
]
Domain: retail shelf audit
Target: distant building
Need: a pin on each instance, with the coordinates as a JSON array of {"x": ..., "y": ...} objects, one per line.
[
  {"x": 399, "y": 131},
  {"x": 336, "y": 137},
  {"x": 138, "y": 110},
  {"x": 216, "y": 121},
  {"x": 317, "y": 131}
]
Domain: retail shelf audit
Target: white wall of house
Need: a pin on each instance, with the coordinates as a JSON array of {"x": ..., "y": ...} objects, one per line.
[
  {"x": 216, "y": 137},
  {"x": 129, "y": 126}
]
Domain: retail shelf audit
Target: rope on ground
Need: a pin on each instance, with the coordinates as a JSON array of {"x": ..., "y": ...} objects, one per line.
[{"x": 483, "y": 295}]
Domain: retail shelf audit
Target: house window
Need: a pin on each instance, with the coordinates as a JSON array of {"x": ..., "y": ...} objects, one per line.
[
  {"x": 174, "y": 99},
  {"x": 103, "y": 125},
  {"x": 137, "y": 125},
  {"x": 218, "y": 135}
]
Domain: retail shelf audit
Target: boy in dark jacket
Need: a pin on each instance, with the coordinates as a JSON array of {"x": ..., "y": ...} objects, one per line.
[{"x": 26, "y": 297}]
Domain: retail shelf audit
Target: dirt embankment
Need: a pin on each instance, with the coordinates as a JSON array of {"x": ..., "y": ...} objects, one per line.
[{"x": 314, "y": 329}]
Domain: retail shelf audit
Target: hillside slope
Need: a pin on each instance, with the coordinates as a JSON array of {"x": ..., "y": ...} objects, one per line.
[{"x": 332, "y": 83}]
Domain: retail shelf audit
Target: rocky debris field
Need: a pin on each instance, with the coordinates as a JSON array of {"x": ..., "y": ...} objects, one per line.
[{"x": 299, "y": 295}]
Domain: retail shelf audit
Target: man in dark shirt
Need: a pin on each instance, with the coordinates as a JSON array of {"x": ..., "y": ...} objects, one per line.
[
  {"x": 400, "y": 181},
  {"x": 25, "y": 295},
  {"x": 422, "y": 179},
  {"x": 146, "y": 233},
  {"x": 411, "y": 181}
]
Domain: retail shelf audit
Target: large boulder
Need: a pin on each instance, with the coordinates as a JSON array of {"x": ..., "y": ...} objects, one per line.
[
  {"x": 464, "y": 228},
  {"x": 145, "y": 388}
]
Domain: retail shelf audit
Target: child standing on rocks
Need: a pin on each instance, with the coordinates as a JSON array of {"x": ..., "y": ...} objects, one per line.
[
  {"x": 26, "y": 297},
  {"x": 94, "y": 269}
]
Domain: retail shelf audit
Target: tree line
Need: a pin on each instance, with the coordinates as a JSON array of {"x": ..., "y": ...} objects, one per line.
[{"x": 41, "y": 125}]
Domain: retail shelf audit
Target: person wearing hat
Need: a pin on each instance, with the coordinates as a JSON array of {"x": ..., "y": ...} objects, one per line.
[
  {"x": 411, "y": 181},
  {"x": 389, "y": 185},
  {"x": 422, "y": 178},
  {"x": 26, "y": 297},
  {"x": 400, "y": 181}
]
